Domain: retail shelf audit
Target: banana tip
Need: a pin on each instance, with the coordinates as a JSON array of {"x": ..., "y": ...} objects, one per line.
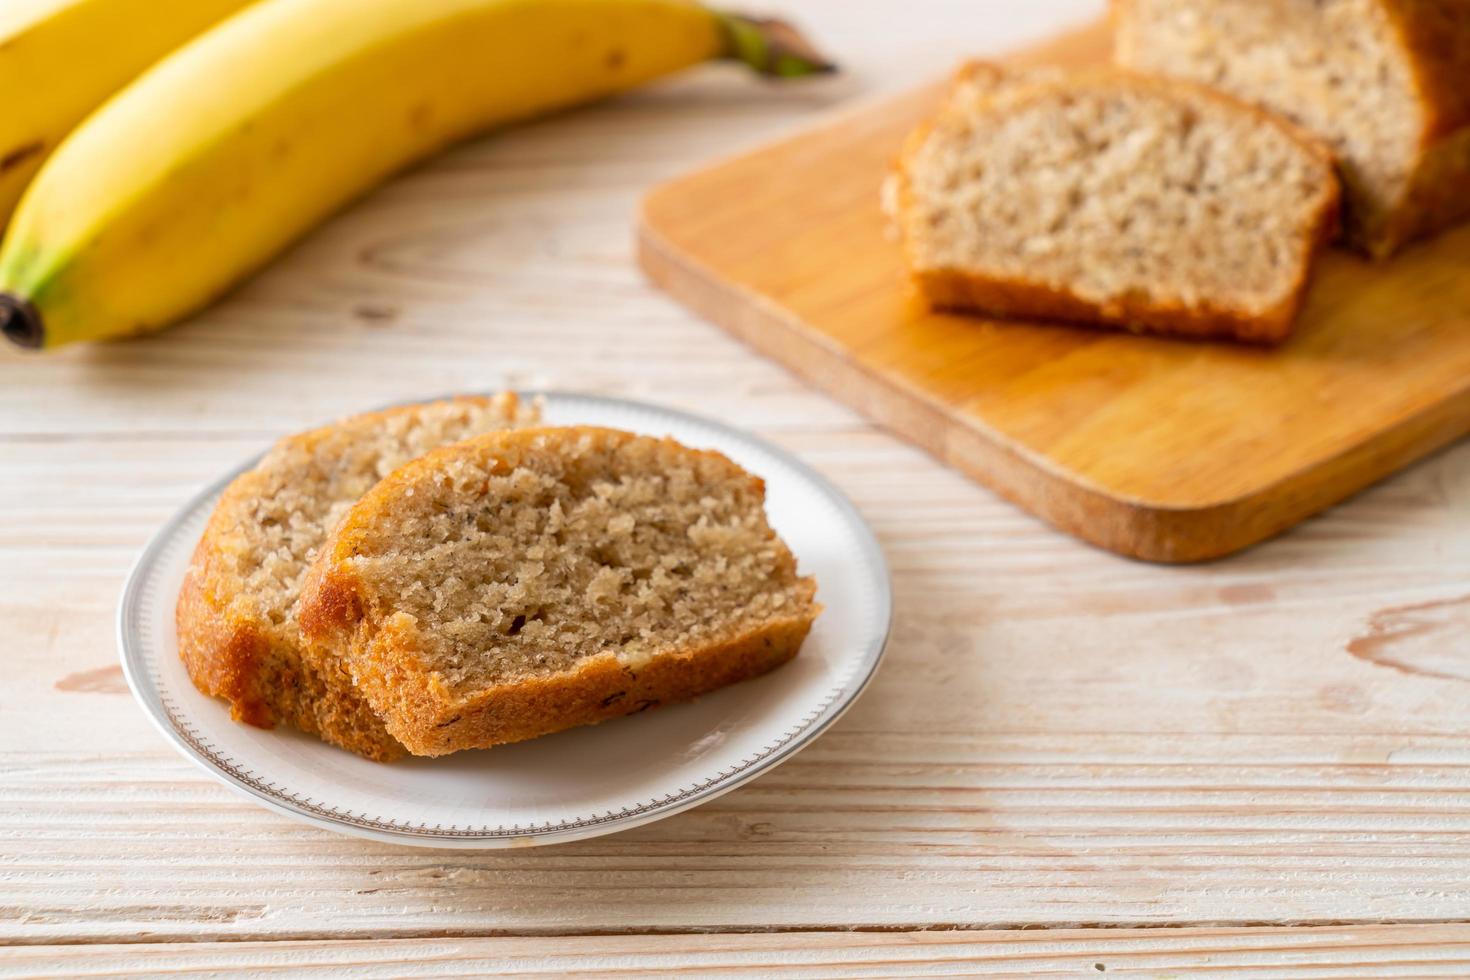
[{"x": 20, "y": 322}]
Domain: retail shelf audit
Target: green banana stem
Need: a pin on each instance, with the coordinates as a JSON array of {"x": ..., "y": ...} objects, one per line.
[{"x": 770, "y": 46}]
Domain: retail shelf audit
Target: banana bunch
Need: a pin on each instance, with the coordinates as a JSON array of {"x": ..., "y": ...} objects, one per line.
[
  {"x": 60, "y": 59},
  {"x": 236, "y": 143}
]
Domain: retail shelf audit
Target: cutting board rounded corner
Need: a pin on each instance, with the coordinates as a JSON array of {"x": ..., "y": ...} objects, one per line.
[{"x": 1159, "y": 450}]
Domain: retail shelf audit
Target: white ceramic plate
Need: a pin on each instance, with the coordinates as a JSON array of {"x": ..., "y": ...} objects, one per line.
[{"x": 576, "y": 784}]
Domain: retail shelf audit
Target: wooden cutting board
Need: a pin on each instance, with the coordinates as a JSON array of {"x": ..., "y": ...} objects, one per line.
[{"x": 1159, "y": 449}]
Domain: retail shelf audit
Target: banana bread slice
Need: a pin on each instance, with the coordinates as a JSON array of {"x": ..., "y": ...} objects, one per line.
[
  {"x": 236, "y": 613},
  {"x": 1385, "y": 82},
  {"x": 525, "y": 582},
  {"x": 1110, "y": 198}
]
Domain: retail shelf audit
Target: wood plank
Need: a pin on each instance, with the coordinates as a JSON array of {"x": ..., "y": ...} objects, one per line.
[
  {"x": 1060, "y": 738},
  {"x": 1263, "y": 954},
  {"x": 1158, "y": 449},
  {"x": 505, "y": 262}
]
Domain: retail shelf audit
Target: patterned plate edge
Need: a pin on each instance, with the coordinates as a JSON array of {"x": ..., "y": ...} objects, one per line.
[{"x": 137, "y": 595}]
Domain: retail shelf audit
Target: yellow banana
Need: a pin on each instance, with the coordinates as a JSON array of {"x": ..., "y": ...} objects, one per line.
[
  {"x": 245, "y": 138},
  {"x": 60, "y": 59}
]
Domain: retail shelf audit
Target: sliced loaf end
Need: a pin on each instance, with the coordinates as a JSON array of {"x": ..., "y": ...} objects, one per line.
[
  {"x": 1383, "y": 82},
  {"x": 526, "y": 582},
  {"x": 1111, "y": 198},
  {"x": 236, "y": 613}
]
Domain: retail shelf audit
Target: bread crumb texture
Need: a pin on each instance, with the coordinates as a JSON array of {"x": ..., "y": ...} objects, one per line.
[
  {"x": 1106, "y": 196},
  {"x": 237, "y": 612},
  {"x": 1385, "y": 82},
  {"x": 563, "y": 561}
]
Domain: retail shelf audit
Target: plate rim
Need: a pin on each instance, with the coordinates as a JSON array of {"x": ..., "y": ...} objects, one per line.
[{"x": 813, "y": 725}]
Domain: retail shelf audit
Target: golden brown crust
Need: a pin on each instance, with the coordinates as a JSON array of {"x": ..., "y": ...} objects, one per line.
[
  {"x": 596, "y": 691},
  {"x": 1436, "y": 36},
  {"x": 1438, "y": 195},
  {"x": 266, "y": 674},
  {"x": 950, "y": 289},
  {"x": 266, "y": 683},
  {"x": 224, "y": 659},
  {"x": 1436, "y": 33},
  {"x": 966, "y": 291},
  {"x": 329, "y": 602},
  {"x": 430, "y": 721},
  {"x": 358, "y": 520},
  {"x": 336, "y": 617},
  {"x": 990, "y": 73}
]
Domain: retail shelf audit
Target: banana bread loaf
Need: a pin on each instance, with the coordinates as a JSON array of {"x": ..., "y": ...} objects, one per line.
[
  {"x": 1111, "y": 198},
  {"x": 1385, "y": 82},
  {"x": 236, "y": 615},
  {"x": 524, "y": 582}
]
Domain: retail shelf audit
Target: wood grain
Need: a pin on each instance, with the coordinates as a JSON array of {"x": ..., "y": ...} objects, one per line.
[
  {"x": 1160, "y": 449},
  {"x": 1060, "y": 737},
  {"x": 1262, "y": 954}
]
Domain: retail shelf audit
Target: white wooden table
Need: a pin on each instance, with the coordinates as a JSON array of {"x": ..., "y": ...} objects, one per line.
[{"x": 1065, "y": 753}]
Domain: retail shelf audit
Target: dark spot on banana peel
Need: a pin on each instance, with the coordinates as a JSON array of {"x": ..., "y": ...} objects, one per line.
[
  {"x": 20, "y": 155},
  {"x": 615, "y": 59}
]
